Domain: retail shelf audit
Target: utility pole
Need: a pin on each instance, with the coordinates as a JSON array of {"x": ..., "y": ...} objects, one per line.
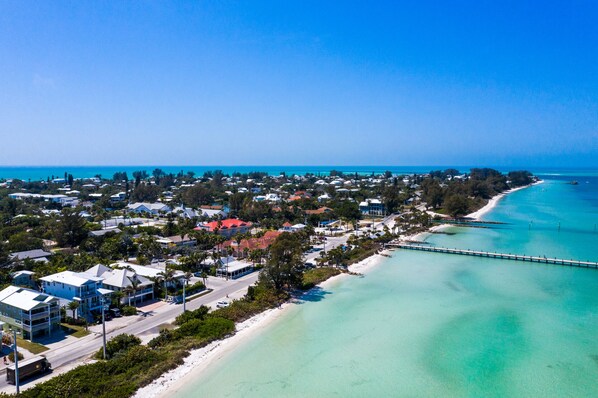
[
  {"x": 16, "y": 354},
  {"x": 103, "y": 328},
  {"x": 184, "y": 296}
]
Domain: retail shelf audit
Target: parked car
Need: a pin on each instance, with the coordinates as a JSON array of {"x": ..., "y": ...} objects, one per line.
[
  {"x": 222, "y": 304},
  {"x": 115, "y": 312}
]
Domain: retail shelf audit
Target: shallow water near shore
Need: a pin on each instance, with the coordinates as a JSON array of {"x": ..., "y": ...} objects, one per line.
[{"x": 427, "y": 324}]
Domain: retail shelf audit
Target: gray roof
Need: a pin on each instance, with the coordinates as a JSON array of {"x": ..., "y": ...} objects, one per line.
[
  {"x": 102, "y": 232},
  {"x": 98, "y": 270},
  {"x": 32, "y": 254},
  {"x": 122, "y": 278}
]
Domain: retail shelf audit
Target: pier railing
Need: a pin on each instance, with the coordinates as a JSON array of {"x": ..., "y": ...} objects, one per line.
[{"x": 500, "y": 256}]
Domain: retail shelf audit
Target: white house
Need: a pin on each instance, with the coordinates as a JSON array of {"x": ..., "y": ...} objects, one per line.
[
  {"x": 372, "y": 207},
  {"x": 152, "y": 208},
  {"x": 118, "y": 197}
]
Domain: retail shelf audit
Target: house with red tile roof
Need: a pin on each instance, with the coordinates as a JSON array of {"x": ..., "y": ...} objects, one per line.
[
  {"x": 321, "y": 210},
  {"x": 227, "y": 228},
  {"x": 262, "y": 242}
]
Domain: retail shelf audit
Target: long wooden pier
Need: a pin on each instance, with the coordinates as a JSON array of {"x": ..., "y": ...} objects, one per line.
[{"x": 501, "y": 256}]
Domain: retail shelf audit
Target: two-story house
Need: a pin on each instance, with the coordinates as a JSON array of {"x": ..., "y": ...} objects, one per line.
[
  {"x": 31, "y": 312},
  {"x": 372, "y": 207},
  {"x": 228, "y": 228},
  {"x": 75, "y": 286}
]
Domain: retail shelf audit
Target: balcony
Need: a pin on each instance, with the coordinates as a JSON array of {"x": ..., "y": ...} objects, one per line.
[{"x": 87, "y": 294}]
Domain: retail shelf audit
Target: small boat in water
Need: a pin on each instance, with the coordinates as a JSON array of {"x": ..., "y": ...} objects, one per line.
[{"x": 573, "y": 182}]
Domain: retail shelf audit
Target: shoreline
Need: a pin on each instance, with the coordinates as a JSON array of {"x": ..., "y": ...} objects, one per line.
[
  {"x": 200, "y": 359},
  {"x": 476, "y": 215}
]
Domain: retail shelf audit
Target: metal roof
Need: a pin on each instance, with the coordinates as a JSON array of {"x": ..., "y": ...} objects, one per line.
[{"x": 24, "y": 299}]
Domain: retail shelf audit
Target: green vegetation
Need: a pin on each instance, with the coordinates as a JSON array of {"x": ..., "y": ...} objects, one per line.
[
  {"x": 128, "y": 310},
  {"x": 78, "y": 331},
  {"x": 11, "y": 356},
  {"x": 318, "y": 275},
  {"x": 118, "y": 345},
  {"x": 459, "y": 195},
  {"x": 283, "y": 269},
  {"x": 32, "y": 347}
]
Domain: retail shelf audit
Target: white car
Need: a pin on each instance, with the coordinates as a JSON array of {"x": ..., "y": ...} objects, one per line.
[{"x": 222, "y": 304}]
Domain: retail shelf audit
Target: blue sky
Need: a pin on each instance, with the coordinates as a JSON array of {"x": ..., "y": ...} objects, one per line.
[{"x": 307, "y": 82}]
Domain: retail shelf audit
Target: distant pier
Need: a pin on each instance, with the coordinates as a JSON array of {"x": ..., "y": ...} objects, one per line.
[
  {"x": 500, "y": 256},
  {"x": 467, "y": 221}
]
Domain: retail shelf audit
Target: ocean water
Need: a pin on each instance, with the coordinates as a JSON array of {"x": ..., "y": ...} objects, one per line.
[
  {"x": 42, "y": 172},
  {"x": 35, "y": 173},
  {"x": 434, "y": 325}
]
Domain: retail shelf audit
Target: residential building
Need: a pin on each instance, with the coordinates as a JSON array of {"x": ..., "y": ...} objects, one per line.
[
  {"x": 250, "y": 244},
  {"x": 75, "y": 286},
  {"x": 23, "y": 278},
  {"x": 135, "y": 288},
  {"x": 35, "y": 255},
  {"x": 321, "y": 210},
  {"x": 118, "y": 197},
  {"x": 151, "y": 208},
  {"x": 104, "y": 231},
  {"x": 288, "y": 227},
  {"x": 227, "y": 228},
  {"x": 32, "y": 312},
  {"x": 176, "y": 241},
  {"x": 372, "y": 207},
  {"x": 234, "y": 269}
]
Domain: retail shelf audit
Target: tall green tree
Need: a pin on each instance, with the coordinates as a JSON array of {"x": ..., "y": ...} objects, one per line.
[
  {"x": 456, "y": 205},
  {"x": 147, "y": 249},
  {"x": 283, "y": 268},
  {"x": 70, "y": 228}
]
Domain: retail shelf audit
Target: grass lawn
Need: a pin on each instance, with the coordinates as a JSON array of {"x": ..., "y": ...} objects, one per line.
[
  {"x": 79, "y": 330},
  {"x": 33, "y": 348}
]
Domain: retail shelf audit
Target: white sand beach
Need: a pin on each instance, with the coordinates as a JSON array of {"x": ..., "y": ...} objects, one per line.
[
  {"x": 198, "y": 360},
  {"x": 477, "y": 215}
]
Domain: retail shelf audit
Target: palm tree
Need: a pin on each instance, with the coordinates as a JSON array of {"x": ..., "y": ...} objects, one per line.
[
  {"x": 238, "y": 239},
  {"x": 167, "y": 275},
  {"x": 128, "y": 290},
  {"x": 116, "y": 298},
  {"x": 204, "y": 277},
  {"x": 134, "y": 284},
  {"x": 73, "y": 305}
]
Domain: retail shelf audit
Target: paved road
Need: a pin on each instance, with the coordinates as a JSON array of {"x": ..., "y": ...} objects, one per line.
[
  {"x": 84, "y": 347},
  {"x": 79, "y": 349}
]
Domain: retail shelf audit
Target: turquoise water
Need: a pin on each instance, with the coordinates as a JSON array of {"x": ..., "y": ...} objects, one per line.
[
  {"x": 42, "y": 172},
  {"x": 433, "y": 325}
]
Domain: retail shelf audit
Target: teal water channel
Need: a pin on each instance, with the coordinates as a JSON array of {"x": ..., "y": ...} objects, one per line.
[{"x": 433, "y": 325}]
